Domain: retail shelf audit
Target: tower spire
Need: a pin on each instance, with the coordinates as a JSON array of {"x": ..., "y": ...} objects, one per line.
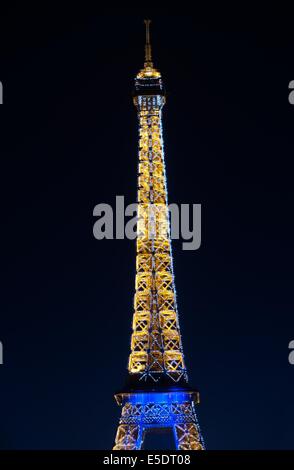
[{"x": 148, "y": 55}]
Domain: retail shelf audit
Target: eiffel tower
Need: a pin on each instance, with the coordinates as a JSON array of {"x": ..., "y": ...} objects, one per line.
[{"x": 157, "y": 395}]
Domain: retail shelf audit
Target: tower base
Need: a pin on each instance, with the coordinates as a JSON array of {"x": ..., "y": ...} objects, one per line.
[{"x": 143, "y": 411}]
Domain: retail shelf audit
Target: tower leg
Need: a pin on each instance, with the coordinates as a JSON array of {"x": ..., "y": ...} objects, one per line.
[
  {"x": 128, "y": 437},
  {"x": 187, "y": 437}
]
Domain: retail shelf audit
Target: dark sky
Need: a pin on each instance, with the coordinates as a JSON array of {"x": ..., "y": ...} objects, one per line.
[{"x": 68, "y": 142}]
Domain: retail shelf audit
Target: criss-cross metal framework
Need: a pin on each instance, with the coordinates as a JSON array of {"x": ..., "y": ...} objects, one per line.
[
  {"x": 156, "y": 342},
  {"x": 143, "y": 411},
  {"x": 156, "y": 355}
]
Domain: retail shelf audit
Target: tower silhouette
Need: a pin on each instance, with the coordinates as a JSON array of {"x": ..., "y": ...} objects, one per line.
[{"x": 157, "y": 394}]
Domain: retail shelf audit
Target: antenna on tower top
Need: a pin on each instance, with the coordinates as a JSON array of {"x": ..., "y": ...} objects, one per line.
[{"x": 148, "y": 56}]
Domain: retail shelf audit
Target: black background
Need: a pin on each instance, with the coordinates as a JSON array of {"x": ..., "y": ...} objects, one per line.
[{"x": 68, "y": 142}]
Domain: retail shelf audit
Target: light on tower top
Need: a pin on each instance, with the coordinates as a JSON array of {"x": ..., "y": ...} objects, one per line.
[{"x": 148, "y": 71}]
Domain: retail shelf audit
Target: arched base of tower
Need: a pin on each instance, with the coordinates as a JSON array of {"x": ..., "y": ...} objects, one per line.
[{"x": 143, "y": 411}]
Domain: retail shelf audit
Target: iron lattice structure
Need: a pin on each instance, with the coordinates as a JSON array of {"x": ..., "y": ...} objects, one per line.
[{"x": 157, "y": 394}]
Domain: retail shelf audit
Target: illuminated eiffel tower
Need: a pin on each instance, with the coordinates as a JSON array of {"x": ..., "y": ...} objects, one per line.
[{"x": 157, "y": 395}]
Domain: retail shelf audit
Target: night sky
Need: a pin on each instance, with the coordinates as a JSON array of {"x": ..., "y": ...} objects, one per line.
[{"x": 68, "y": 142}]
